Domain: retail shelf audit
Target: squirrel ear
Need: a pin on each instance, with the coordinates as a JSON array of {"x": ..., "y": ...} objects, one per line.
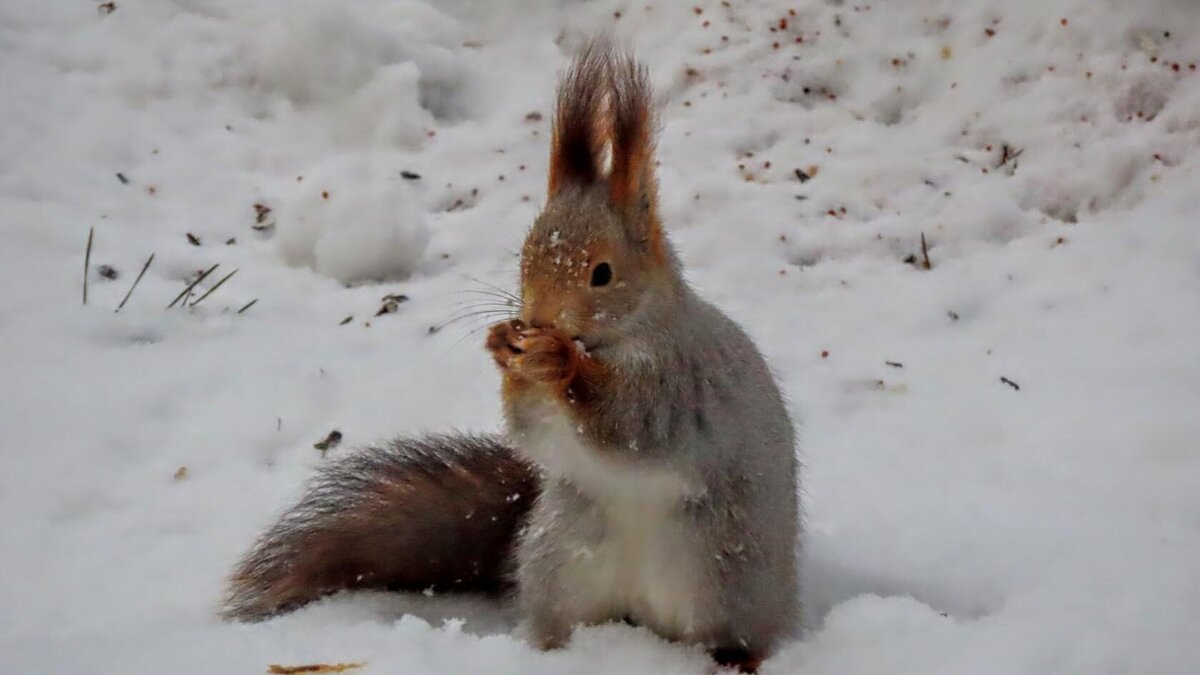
[
  {"x": 577, "y": 142},
  {"x": 632, "y": 187}
]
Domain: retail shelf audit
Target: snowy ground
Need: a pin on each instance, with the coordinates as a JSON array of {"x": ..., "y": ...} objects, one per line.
[{"x": 957, "y": 524}]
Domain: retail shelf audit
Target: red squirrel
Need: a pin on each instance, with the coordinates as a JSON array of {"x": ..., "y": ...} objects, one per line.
[{"x": 648, "y": 469}]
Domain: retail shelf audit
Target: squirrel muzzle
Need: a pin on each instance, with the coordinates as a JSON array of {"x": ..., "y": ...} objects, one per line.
[{"x": 548, "y": 310}]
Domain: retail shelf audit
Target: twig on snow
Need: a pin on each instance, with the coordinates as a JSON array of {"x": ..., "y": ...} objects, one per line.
[
  {"x": 1009, "y": 154},
  {"x": 186, "y": 291},
  {"x": 87, "y": 262},
  {"x": 214, "y": 288},
  {"x": 135, "y": 283}
]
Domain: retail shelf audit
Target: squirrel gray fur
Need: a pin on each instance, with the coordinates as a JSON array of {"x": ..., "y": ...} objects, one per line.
[{"x": 648, "y": 471}]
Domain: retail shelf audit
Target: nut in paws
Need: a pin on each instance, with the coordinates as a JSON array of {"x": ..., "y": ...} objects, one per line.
[{"x": 536, "y": 354}]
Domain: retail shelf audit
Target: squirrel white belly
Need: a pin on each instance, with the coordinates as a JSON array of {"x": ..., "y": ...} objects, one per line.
[
  {"x": 648, "y": 469},
  {"x": 624, "y": 550}
]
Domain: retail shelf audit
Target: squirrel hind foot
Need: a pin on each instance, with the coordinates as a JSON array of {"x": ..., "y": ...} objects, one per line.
[{"x": 737, "y": 659}]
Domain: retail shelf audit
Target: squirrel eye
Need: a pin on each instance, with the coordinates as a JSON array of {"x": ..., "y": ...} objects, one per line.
[{"x": 601, "y": 274}]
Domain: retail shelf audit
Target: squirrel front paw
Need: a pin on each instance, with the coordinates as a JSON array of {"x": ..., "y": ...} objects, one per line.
[{"x": 544, "y": 355}]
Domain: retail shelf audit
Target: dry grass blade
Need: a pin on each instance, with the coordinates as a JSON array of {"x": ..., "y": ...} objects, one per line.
[
  {"x": 87, "y": 262},
  {"x": 214, "y": 288},
  {"x": 276, "y": 669},
  {"x": 135, "y": 283},
  {"x": 925, "y": 254},
  {"x": 247, "y": 306},
  {"x": 202, "y": 277}
]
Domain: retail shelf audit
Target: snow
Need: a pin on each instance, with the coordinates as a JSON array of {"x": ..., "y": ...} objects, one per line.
[
  {"x": 353, "y": 219},
  {"x": 956, "y": 524}
]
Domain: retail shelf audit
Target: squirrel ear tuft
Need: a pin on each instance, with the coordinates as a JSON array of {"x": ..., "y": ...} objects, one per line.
[
  {"x": 605, "y": 107},
  {"x": 632, "y": 187},
  {"x": 577, "y": 145}
]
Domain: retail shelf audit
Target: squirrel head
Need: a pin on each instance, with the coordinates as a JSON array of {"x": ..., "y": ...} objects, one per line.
[{"x": 597, "y": 254}]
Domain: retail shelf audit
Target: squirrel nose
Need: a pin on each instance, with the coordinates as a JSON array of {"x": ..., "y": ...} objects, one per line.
[
  {"x": 544, "y": 317},
  {"x": 540, "y": 314}
]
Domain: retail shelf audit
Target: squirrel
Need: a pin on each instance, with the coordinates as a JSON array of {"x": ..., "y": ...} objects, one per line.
[{"x": 648, "y": 470}]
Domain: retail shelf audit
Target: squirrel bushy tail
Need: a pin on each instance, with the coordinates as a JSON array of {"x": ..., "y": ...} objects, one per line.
[{"x": 440, "y": 511}]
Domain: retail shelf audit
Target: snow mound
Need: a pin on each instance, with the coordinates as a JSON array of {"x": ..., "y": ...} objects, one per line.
[
  {"x": 354, "y": 219},
  {"x": 363, "y": 80}
]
